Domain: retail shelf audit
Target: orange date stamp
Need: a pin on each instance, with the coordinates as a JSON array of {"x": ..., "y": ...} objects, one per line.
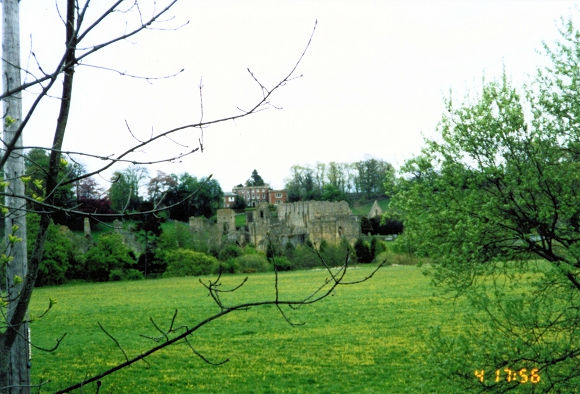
[{"x": 522, "y": 375}]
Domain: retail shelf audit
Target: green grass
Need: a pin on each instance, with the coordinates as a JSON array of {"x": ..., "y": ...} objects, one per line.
[
  {"x": 365, "y": 338},
  {"x": 363, "y": 209},
  {"x": 240, "y": 220}
]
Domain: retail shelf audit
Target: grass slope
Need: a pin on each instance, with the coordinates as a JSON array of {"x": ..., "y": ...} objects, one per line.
[
  {"x": 365, "y": 338},
  {"x": 363, "y": 208}
]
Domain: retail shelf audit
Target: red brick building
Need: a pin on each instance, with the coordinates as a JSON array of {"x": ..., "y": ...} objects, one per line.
[
  {"x": 253, "y": 195},
  {"x": 276, "y": 197}
]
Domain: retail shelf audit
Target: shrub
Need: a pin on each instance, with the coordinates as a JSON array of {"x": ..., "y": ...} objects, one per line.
[
  {"x": 59, "y": 254},
  {"x": 289, "y": 250},
  {"x": 273, "y": 249},
  {"x": 250, "y": 249},
  {"x": 386, "y": 255},
  {"x": 229, "y": 251},
  {"x": 108, "y": 253},
  {"x": 335, "y": 255},
  {"x": 363, "y": 251},
  {"x": 377, "y": 246},
  {"x": 186, "y": 262},
  {"x": 125, "y": 274},
  {"x": 230, "y": 266},
  {"x": 282, "y": 263},
  {"x": 304, "y": 257},
  {"x": 252, "y": 263}
]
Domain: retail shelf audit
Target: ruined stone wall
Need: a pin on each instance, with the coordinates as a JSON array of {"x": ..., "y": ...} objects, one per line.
[
  {"x": 296, "y": 223},
  {"x": 226, "y": 220},
  {"x": 260, "y": 224},
  {"x": 318, "y": 221}
]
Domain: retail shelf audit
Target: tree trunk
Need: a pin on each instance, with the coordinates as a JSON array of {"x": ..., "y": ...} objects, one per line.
[{"x": 14, "y": 369}]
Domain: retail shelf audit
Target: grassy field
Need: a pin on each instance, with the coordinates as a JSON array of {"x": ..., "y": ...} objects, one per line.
[{"x": 365, "y": 338}]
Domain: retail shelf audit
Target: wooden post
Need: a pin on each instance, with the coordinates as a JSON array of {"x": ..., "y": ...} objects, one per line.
[{"x": 17, "y": 371}]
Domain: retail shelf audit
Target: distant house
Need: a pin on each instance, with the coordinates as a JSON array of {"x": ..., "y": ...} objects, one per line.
[
  {"x": 254, "y": 195},
  {"x": 277, "y": 197},
  {"x": 229, "y": 199}
]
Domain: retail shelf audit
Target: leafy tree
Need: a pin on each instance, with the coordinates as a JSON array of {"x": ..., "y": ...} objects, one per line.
[
  {"x": 336, "y": 176},
  {"x": 239, "y": 203},
  {"x": 193, "y": 197},
  {"x": 255, "y": 179},
  {"x": 302, "y": 185},
  {"x": 148, "y": 229},
  {"x": 159, "y": 185},
  {"x": 91, "y": 199},
  {"x": 175, "y": 235},
  {"x": 36, "y": 167},
  {"x": 124, "y": 190},
  {"x": 495, "y": 204},
  {"x": 371, "y": 176},
  {"x": 59, "y": 256},
  {"x": 109, "y": 253},
  {"x": 331, "y": 193}
]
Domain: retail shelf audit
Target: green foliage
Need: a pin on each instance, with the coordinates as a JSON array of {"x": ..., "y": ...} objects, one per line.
[
  {"x": 332, "y": 193},
  {"x": 186, "y": 262},
  {"x": 363, "y": 251},
  {"x": 239, "y": 205},
  {"x": 117, "y": 274},
  {"x": 107, "y": 254},
  {"x": 175, "y": 235},
  {"x": 304, "y": 256},
  {"x": 124, "y": 190},
  {"x": 371, "y": 178},
  {"x": 229, "y": 251},
  {"x": 36, "y": 167},
  {"x": 148, "y": 229},
  {"x": 335, "y": 255},
  {"x": 281, "y": 263},
  {"x": 59, "y": 254},
  {"x": 193, "y": 197},
  {"x": 503, "y": 184},
  {"x": 302, "y": 186},
  {"x": 380, "y": 226},
  {"x": 334, "y": 181},
  {"x": 249, "y": 263},
  {"x": 255, "y": 179}
]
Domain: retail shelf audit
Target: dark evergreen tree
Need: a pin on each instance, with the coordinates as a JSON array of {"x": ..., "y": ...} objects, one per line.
[{"x": 255, "y": 179}]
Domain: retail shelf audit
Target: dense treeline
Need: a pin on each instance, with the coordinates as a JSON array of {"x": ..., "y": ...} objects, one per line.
[
  {"x": 366, "y": 179},
  {"x": 130, "y": 190},
  {"x": 182, "y": 196}
]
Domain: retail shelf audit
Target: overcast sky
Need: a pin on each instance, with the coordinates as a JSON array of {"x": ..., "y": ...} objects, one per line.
[{"x": 372, "y": 83}]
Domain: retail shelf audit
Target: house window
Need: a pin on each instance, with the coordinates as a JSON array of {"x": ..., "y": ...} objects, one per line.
[{"x": 278, "y": 195}]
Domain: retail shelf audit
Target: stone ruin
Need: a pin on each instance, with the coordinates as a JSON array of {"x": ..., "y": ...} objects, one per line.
[{"x": 297, "y": 222}]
